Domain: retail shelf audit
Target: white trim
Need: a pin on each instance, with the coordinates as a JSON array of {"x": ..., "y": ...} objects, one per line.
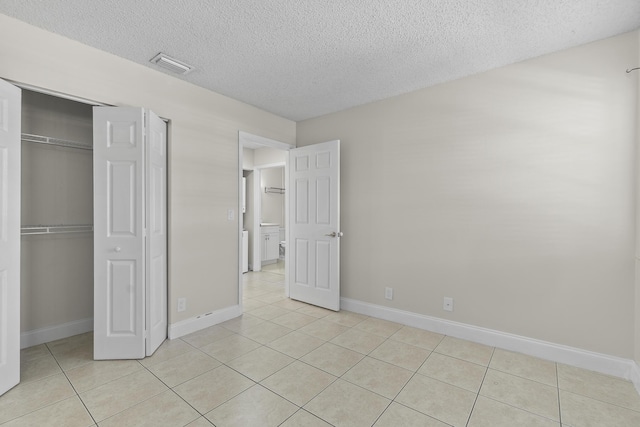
[
  {"x": 52, "y": 333},
  {"x": 603, "y": 363},
  {"x": 270, "y": 166},
  {"x": 240, "y": 219},
  {"x": 256, "y": 250},
  {"x": 635, "y": 376},
  {"x": 57, "y": 94},
  {"x": 194, "y": 324},
  {"x": 249, "y": 139}
]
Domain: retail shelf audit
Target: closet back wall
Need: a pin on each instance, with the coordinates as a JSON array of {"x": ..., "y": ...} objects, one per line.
[{"x": 57, "y": 189}]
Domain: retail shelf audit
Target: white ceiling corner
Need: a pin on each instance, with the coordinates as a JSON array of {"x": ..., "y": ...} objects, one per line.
[{"x": 301, "y": 59}]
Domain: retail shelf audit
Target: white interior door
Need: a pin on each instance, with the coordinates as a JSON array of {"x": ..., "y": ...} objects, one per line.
[
  {"x": 314, "y": 222},
  {"x": 10, "y": 105},
  {"x": 119, "y": 243},
  {"x": 156, "y": 194}
]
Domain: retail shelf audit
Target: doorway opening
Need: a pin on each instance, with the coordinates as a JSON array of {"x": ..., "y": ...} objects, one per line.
[{"x": 263, "y": 223}]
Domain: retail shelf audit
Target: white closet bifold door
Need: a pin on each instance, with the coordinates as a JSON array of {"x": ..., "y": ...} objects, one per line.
[{"x": 129, "y": 232}]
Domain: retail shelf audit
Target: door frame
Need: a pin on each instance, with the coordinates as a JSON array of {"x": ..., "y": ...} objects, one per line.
[
  {"x": 248, "y": 140},
  {"x": 63, "y": 95}
]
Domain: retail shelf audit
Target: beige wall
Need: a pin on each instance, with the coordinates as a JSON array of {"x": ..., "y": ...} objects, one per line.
[
  {"x": 269, "y": 156},
  {"x": 511, "y": 191},
  {"x": 272, "y": 209},
  {"x": 203, "y": 150},
  {"x": 247, "y": 158}
]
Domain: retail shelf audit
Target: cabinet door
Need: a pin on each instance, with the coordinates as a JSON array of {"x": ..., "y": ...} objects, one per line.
[
  {"x": 273, "y": 250},
  {"x": 265, "y": 247}
]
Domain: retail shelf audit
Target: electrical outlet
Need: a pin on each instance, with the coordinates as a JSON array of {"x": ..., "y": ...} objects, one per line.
[
  {"x": 231, "y": 214},
  {"x": 182, "y": 304},
  {"x": 388, "y": 293},
  {"x": 448, "y": 304}
]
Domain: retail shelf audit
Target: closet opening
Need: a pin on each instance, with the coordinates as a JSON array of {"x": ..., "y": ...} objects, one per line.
[
  {"x": 56, "y": 218},
  {"x": 70, "y": 282}
]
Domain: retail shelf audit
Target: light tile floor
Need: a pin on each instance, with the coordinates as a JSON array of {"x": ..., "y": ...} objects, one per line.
[{"x": 285, "y": 363}]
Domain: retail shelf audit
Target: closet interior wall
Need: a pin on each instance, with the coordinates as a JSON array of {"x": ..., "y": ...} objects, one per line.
[{"x": 57, "y": 189}]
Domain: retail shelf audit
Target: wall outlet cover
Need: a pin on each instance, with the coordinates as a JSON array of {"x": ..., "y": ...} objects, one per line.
[
  {"x": 388, "y": 293},
  {"x": 448, "y": 304}
]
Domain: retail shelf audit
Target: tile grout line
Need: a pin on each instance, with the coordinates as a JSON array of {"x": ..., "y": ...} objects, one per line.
[
  {"x": 386, "y": 339},
  {"x": 486, "y": 369},
  {"x": 558, "y": 389},
  {"x": 475, "y": 401},
  {"x": 170, "y": 388},
  {"x": 72, "y": 386},
  {"x": 336, "y": 377}
]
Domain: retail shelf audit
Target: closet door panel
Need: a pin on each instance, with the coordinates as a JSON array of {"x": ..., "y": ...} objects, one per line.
[
  {"x": 119, "y": 242},
  {"x": 157, "y": 232},
  {"x": 10, "y": 99}
]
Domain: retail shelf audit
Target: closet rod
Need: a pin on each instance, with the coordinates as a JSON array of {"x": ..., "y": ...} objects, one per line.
[
  {"x": 26, "y": 137},
  {"x": 55, "y": 229}
]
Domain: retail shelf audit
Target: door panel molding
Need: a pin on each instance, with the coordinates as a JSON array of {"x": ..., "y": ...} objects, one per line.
[
  {"x": 119, "y": 241},
  {"x": 314, "y": 264}
]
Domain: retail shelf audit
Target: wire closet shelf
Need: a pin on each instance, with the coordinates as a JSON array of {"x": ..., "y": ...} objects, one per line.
[
  {"x": 29, "y": 230},
  {"x": 39, "y": 139}
]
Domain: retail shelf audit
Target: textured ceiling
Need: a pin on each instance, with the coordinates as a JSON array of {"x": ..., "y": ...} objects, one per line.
[{"x": 303, "y": 58}]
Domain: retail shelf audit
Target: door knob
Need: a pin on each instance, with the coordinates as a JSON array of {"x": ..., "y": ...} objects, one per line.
[
  {"x": 117, "y": 249},
  {"x": 334, "y": 234}
]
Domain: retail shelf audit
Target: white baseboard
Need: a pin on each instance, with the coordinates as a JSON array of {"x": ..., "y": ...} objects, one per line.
[
  {"x": 603, "y": 363},
  {"x": 635, "y": 376},
  {"x": 176, "y": 330},
  {"x": 52, "y": 333},
  {"x": 185, "y": 327}
]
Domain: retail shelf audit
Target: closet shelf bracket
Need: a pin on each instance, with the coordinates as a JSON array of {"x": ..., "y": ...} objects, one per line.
[
  {"x": 55, "y": 229},
  {"x": 26, "y": 137}
]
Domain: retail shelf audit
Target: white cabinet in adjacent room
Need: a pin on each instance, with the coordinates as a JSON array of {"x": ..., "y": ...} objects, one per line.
[{"x": 270, "y": 249}]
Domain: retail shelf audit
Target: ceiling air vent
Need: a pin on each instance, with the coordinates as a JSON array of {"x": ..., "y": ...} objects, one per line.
[{"x": 171, "y": 64}]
